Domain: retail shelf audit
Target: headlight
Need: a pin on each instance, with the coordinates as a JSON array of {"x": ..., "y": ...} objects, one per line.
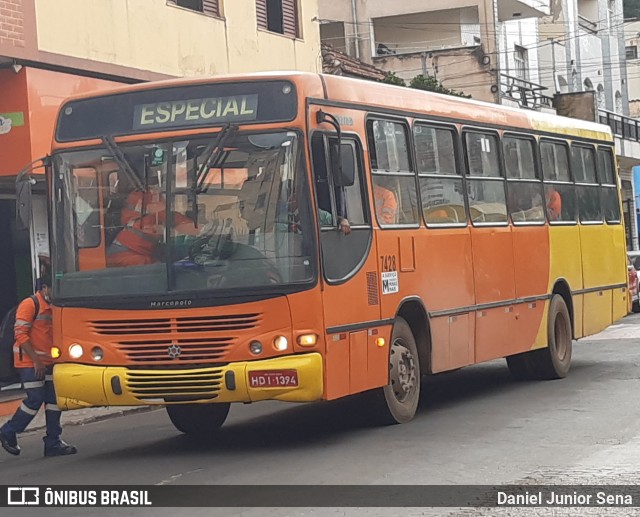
[
  {"x": 308, "y": 339},
  {"x": 280, "y": 343},
  {"x": 97, "y": 353},
  {"x": 55, "y": 352},
  {"x": 255, "y": 347},
  {"x": 76, "y": 351}
]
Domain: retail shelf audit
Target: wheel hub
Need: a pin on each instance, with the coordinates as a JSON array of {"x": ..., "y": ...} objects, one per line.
[{"x": 402, "y": 371}]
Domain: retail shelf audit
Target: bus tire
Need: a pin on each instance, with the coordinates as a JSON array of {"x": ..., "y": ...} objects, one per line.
[
  {"x": 397, "y": 402},
  {"x": 553, "y": 361},
  {"x": 198, "y": 419}
]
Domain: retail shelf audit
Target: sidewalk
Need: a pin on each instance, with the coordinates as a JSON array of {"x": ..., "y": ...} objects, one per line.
[{"x": 75, "y": 417}]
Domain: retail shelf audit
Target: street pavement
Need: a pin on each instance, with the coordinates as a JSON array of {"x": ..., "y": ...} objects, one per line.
[{"x": 474, "y": 426}]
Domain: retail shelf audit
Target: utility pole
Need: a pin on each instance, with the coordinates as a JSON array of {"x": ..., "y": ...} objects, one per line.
[
  {"x": 423, "y": 58},
  {"x": 553, "y": 61}
]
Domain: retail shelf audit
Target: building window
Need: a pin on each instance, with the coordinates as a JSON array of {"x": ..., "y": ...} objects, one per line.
[
  {"x": 632, "y": 52},
  {"x": 210, "y": 7},
  {"x": 588, "y": 85},
  {"x": 280, "y": 16},
  {"x": 600, "y": 97},
  {"x": 522, "y": 62},
  {"x": 619, "y": 106}
]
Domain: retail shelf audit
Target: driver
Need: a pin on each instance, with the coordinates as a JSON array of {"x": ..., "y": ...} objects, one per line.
[{"x": 144, "y": 219}]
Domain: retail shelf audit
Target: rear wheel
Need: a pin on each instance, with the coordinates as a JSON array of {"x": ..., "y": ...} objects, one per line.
[
  {"x": 198, "y": 419},
  {"x": 397, "y": 402},
  {"x": 553, "y": 361}
]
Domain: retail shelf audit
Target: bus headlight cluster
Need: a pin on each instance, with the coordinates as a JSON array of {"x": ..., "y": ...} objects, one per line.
[{"x": 76, "y": 351}]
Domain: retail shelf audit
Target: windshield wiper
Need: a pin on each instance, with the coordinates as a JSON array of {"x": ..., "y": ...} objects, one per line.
[
  {"x": 212, "y": 154},
  {"x": 122, "y": 162}
]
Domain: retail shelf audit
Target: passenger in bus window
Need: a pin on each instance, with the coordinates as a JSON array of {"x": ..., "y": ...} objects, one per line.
[
  {"x": 554, "y": 203},
  {"x": 385, "y": 201},
  {"x": 325, "y": 217}
]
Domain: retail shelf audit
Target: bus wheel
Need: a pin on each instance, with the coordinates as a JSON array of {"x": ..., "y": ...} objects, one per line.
[
  {"x": 198, "y": 419},
  {"x": 553, "y": 361},
  {"x": 396, "y": 403}
]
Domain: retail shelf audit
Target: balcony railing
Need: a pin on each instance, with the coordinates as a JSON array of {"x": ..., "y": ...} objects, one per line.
[
  {"x": 587, "y": 24},
  {"x": 526, "y": 93},
  {"x": 624, "y": 127}
]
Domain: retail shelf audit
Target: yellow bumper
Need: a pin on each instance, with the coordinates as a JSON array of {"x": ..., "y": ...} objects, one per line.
[{"x": 79, "y": 386}]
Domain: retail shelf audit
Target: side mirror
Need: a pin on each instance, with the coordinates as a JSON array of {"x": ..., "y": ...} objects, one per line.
[
  {"x": 343, "y": 164},
  {"x": 23, "y": 203}
]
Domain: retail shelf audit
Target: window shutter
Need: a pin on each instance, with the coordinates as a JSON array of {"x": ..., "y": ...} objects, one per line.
[
  {"x": 211, "y": 7},
  {"x": 261, "y": 13},
  {"x": 290, "y": 17}
]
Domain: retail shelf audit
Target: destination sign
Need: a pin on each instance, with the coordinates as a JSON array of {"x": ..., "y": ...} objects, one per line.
[
  {"x": 175, "y": 107},
  {"x": 196, "y": 112}
]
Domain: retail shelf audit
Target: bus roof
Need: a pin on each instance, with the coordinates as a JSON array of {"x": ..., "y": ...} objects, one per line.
[
  {"x": 438, "y": 105},
  {"x": 396, "y": 99}
]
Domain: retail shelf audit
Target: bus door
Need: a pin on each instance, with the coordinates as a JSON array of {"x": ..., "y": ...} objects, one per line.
[{"x": 351, "y": 305}]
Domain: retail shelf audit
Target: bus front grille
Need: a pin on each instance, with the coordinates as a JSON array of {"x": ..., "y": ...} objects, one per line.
[
  {"x": 179, "y": 386},
  {"x": 155, "y": 326},
  {"x": 175, "y": 340},
  {"x": 171, "y": 351}
]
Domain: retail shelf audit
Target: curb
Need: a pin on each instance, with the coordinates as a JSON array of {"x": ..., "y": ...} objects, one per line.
[{"x": 95, "y": 418}]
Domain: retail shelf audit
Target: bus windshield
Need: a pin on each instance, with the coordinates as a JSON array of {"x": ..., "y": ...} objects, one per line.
[{"x": 226, "y": 212}]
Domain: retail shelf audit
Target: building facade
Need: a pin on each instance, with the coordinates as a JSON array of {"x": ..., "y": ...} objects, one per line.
[
  {"x": 52, "y": 49},
  {"x": 482, "y": 47}
]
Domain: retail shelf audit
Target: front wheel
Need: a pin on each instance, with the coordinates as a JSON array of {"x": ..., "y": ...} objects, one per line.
[
  {"x": 198, "y": 419},
  {"x": 397, "y": 402}
]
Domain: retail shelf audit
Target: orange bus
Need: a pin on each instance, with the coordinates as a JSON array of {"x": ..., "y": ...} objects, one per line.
[{"x": 302, "y": 237}]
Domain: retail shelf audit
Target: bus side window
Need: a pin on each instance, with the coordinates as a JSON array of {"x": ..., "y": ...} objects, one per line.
[
  {"x": 583, "y": 166},
  {"x": 525, "y": 196},
  {"x": 394, "y": 182},
  {"x": 440, "y": 179},
  {"x": 560, "y": 192},
  {"x": 485, "y": 183},
  {"x": 336, "y": 201},
  {"x": 608, "y": 186},
  {"x": 321, "y": 179}
]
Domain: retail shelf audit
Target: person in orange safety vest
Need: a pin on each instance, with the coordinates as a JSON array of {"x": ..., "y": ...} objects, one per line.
[
  {"x": 144, "y": 219},
  {"x": 33, "y": 333},
  {"x": 554, "y": 204},
  {"x": 386, "y": 205}
]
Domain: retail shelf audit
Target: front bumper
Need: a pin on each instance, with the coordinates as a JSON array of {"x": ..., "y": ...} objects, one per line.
[{"x": 79, "y": 386}]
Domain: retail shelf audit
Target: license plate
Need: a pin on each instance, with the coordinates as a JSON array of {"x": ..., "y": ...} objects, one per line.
[{"x": 273, "y": 378}]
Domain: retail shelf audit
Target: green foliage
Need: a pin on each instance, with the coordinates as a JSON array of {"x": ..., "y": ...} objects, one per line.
[
  {"x": 431, "y": 84},
  {"x": 631, "y": 8},
  {"x": 392, "y": 78},
  {"x": 422, "y": 82}
]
